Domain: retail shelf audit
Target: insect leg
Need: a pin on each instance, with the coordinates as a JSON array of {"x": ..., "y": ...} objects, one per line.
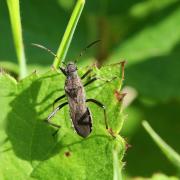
[
  {"x": 58, "y": 99},
  {"x": 90, "y": 81},
  {"x": 48, "y": 120},
  {"x": 63, "y": 71},
  {"x": 85, "y": 49},
  {"x": 102, "y": 106},
  {"x": 96, "y": 78},
  {"x": 86, "y": 73}
]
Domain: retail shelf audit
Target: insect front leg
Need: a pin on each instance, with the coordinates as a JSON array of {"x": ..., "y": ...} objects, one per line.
[
  {"x": 96, "y": 78},
  {"x": 100, "y": 78},
  {"x": 86, "y": 73},
  {"x": 93, "y": 79},
  {"x": 102, "y": 106},
  {"x": 63, "y": 71},
  {"x": 90, "y": 81}
]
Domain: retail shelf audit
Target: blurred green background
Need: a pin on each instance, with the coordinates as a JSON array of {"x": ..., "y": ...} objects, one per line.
[{"x": 146, "y": 33}]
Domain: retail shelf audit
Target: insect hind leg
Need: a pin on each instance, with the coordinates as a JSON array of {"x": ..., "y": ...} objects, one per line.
[{"x": 103, "y": 107}]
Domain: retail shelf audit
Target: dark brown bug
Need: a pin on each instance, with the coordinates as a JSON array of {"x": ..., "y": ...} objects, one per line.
[
  {"x": 76, "y": 99},
  {"x": 75, "y": 93}
]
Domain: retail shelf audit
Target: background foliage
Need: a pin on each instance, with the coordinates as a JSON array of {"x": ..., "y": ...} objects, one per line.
[{"x": 144, "y": 32}]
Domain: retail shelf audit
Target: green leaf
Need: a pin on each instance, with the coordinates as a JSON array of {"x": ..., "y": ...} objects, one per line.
[
  {"x": 160, "y": 117},
  {"x": 159, "y": 74},
  {"x": 11, "y": 167},
  {"x": 28, "y": 144},
  {"x": 88, "y": 159},
  {"x": 152, "y": 50},
  {"x": 151, "y": 40}
]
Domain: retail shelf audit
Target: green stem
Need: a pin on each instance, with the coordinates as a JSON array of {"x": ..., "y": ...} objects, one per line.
[
  {"x": 14, "y": 13},
  {"x": 66, "y": 40},
  {"x": 118, "y": 154},
  {"x": 170, "y": 153}
]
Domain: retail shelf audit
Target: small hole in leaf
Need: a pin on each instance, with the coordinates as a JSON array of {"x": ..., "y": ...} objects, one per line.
[{"x": 67, "y": 154}]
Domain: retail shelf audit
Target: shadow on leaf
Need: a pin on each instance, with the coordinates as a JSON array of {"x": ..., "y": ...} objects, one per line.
[{"x": 30, "y": 137}]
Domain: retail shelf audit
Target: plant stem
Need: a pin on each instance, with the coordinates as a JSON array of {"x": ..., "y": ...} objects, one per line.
[
  {"x": 66, "y": 40},
  {"x": 170, "y": 153},
  {"x": 14, "y": 13}
]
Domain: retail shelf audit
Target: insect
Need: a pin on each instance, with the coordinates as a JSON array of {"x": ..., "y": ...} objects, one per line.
[{"x": 76, "y": 98}]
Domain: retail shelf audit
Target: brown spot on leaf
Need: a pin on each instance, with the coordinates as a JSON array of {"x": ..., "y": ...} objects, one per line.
[
  {"x": 127, "y": 145},
  {"x": 111, "y": 132},
  {"x": 119, "y": 96},
  {"x": 67, "y": 154}
]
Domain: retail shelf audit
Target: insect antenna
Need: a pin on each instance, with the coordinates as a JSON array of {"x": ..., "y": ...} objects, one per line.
[
  {"x": 46, "y": 49},
  {"x": 86, "y": 48}
]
